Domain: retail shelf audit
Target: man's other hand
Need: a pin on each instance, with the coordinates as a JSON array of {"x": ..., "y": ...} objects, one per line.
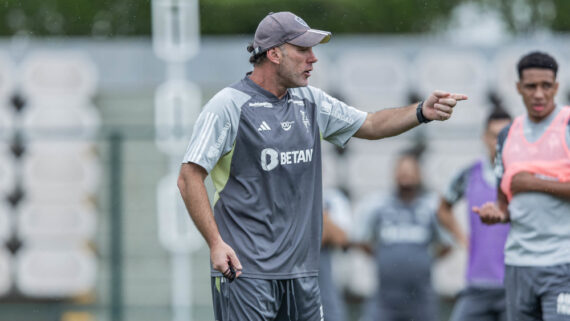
[{"x": 490, "y": 213}]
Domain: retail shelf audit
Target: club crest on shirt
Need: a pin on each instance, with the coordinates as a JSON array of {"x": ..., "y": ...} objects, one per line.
[
  {"x": 287, "y": 125},
  {"x": 305, "y": 119}
]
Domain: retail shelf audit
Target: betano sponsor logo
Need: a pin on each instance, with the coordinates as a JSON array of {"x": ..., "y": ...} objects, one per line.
[{"x": 270, "y": 158}]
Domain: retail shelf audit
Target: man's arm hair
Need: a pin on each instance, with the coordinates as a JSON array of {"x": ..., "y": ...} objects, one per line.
[
  {"x": 394, "y": 121},
  {"x": 388, "y": 122},
  {"x": 193, "y": 191}
]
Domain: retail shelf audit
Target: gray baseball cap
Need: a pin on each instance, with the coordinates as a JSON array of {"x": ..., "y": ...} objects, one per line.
[{"x": 285, "y": 27}]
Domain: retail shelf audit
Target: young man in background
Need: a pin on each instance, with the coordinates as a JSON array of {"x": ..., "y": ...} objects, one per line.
[
  {"x": 484, "y": 297},
  {"x": 533, "y": 166}
]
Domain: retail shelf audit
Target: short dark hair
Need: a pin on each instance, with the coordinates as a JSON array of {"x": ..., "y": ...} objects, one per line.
[
  {"x": 497, "y": 111},
  {"x": 537, "y": 59},
  {"x": 415, "y": 152},
  {"x": 256, "y": 59}
]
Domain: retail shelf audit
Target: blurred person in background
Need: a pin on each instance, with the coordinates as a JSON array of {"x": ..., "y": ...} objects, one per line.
[
  {"x": 260, "y": 140},
  {"x": 403, "y": 226},
  {"x": 484, "y": 297},
  {"x": 533, "y": 166},
  {"x": 337, "y": 218}
]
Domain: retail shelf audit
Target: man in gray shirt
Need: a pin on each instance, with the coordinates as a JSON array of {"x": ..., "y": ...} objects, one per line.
[
  {"x": 533, "y": 166},
  {"x": 260, "y": 140},
  {"x": 403, "y": 230}
]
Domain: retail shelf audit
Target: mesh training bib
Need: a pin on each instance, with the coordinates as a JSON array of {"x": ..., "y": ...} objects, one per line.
[{"x": 548, "y": 157}]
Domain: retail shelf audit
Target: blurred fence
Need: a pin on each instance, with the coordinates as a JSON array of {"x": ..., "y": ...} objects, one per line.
[
  {"x": 50, "y": 218},
  {"x": 78, "y": 205},
  {"x": 90, "y": 221}
]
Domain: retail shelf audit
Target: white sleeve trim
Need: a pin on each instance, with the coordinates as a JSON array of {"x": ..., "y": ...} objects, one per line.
[{"x": 195, "y": 152}]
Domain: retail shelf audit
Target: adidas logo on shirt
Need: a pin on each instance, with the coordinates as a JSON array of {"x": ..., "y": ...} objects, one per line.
[{"x": 263, "y": 127}]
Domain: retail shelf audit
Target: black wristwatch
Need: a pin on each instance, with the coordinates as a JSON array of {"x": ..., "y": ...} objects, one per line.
[{"x": 420, "y": 115}]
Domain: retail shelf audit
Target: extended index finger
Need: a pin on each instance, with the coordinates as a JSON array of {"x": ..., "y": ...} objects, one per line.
[
  {"x": 459, "y": 97},
  {"x": 441, "y": 94}
]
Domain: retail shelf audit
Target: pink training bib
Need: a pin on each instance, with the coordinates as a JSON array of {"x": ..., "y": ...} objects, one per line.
[{"x": 548, "y": 157}]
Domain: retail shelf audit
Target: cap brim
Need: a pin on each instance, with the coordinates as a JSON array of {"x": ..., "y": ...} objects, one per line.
[{"x": 310, "y": 38}]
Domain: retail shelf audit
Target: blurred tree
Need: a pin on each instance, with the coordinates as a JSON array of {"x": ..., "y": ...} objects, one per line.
[
  {"x": 108, "y": 18},
  {"x": 527, "y": 16},
  {"x": 103, "y": 18},
  {"x": 561, "y": 21},
  {"x": 339, "y": 16}
]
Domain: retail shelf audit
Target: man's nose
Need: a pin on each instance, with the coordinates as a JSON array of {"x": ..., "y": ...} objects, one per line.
[
  {"x": 312, "y": 57},
  {"x": 539, "y": 92}
]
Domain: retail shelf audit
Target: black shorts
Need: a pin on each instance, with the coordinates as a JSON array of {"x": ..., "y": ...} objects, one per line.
[
  {"x": 480, "y": 304},
  {"x": 248, "y": 299},
  {"x": 538, "y": 293}
]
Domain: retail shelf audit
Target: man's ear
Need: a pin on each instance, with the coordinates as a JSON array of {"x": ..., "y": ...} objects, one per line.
[{"x": 274, "y": 55}]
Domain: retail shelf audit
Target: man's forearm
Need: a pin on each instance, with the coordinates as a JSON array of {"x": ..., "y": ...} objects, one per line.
[
  {"x": 394, "y": 121},
  {"x": 447, "y": 220},
  {"x": 553, "y": 188},
  {"x": 388, "y": 122},
  {"x": 193, "y": 191},
  {"x": 529, "y": 182}
]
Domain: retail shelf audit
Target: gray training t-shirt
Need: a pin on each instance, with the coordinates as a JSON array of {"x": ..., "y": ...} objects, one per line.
[
  {"x": 540, "y": 222},
  {"x": 403, "y": 233},
  {"x": 264, "y": 156}
]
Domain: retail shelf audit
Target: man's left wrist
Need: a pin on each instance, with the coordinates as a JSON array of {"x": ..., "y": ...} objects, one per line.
[{"x": 420, "y": 115}]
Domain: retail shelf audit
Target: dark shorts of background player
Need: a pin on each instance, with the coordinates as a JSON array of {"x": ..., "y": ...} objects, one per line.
[
  {"x": 538, "y": 293},
  {"x": 248, "y": 299},
  {"x": 422, "y": 308},
  {"x": 480, "y": 304}
]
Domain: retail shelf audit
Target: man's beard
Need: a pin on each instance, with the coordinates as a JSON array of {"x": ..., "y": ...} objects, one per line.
[{"x": 408, "y": 190}]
